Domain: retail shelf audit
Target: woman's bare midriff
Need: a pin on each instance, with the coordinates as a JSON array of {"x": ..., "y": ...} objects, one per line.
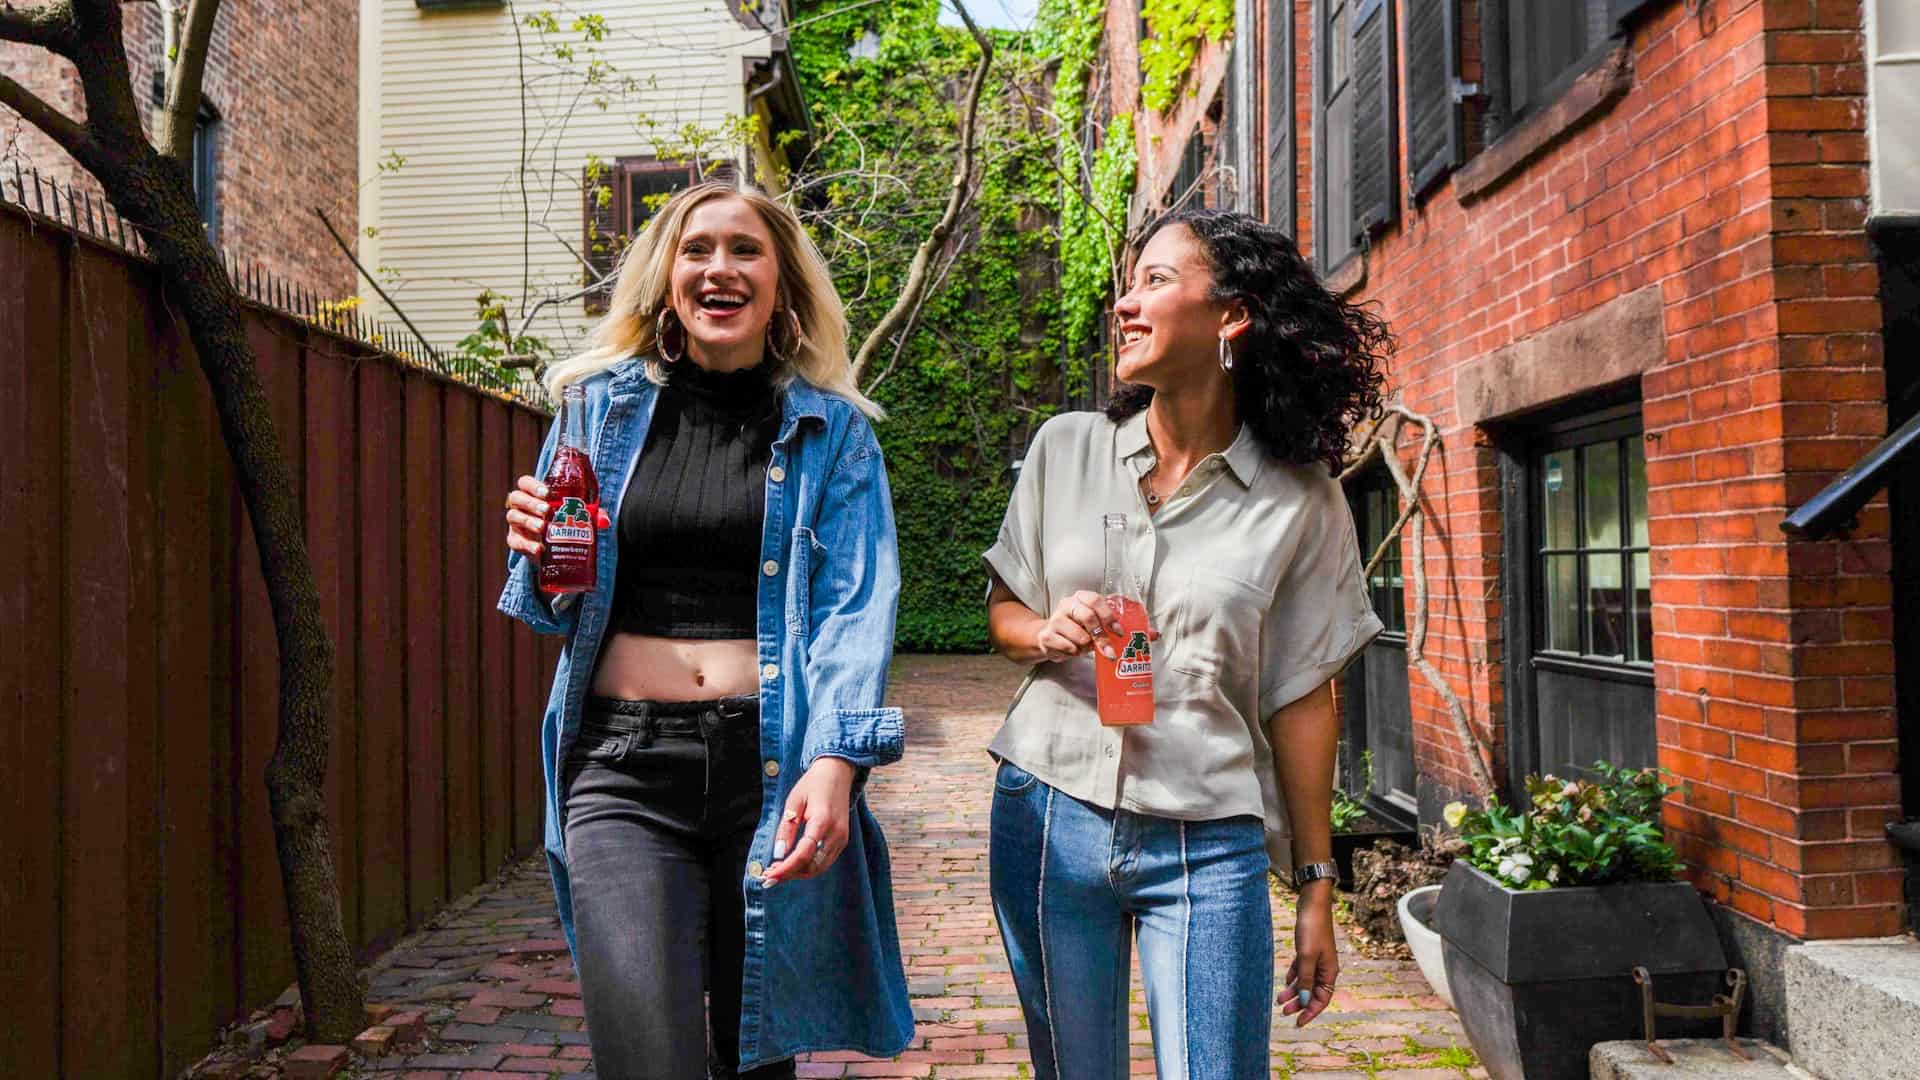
[{"x": 640, "y": 667}]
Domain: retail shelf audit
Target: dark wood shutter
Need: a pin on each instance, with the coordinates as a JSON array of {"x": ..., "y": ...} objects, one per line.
[
  {"x": 1433, "y": 116},
  {"x": 1373, "y": 108},
  {"x": 1281, "y": 181},
  {"x": 604, "y": 192}
]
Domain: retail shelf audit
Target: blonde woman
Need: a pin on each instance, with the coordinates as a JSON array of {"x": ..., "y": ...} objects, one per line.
[{"x": 718, "y": 705}]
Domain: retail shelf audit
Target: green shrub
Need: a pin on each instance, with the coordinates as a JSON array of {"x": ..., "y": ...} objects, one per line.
[{"x": 1579, "y": 832}]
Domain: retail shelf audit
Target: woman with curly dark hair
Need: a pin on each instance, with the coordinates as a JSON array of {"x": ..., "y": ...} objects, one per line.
[{"x": 1244, "y": 377}]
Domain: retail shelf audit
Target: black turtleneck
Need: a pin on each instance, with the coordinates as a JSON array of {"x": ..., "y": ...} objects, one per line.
[{"x": 690, "y": 520}]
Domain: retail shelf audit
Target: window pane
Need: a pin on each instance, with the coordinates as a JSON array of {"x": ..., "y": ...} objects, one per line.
[
  {"x": 648, "y": 190},
  {"x": 1602, "y": 482},
  {"x": 1637, "y": 489},
  {"x": 1396, "y": 618},
  {"x": 1556, "y": 498},
  {"x": 1563, "y": 602},
  {"x": 1642, "y": 608},
  {"x": 1606, "y": 606}
]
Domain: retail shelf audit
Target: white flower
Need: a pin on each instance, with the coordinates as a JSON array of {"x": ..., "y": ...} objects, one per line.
[{"x": 1553, "y": 874}]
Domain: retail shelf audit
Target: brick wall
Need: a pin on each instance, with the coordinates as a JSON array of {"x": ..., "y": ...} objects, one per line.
[
  {"x": 283, "y": 80},
  {"x": 1728, "y": 183}
]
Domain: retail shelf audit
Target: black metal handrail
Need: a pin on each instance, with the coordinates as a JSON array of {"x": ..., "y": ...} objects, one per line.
[{"x": 1837, "y": 505}]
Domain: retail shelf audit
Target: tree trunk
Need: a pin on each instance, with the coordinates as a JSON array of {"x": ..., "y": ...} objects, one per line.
[{"x": 156, "y": 192}]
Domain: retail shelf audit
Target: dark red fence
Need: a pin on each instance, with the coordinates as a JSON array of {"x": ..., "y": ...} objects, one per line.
[{"x": 140, "y": 898}]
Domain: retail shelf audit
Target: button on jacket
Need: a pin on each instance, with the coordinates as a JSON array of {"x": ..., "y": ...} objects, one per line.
[
  {"x": 1250, "y": 571},
  {"x": 822, "y": 965}
]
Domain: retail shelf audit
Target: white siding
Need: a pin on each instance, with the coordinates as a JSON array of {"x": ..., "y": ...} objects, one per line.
[
  {"x": 442, "y": 90},
  {"x": 1893, "y": 101}
]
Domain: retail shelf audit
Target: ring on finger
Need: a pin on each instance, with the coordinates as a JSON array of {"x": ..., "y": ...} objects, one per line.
[{"x": 1306, "y": 997}]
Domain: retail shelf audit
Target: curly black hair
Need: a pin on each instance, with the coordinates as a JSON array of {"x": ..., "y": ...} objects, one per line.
[{"x": 1309, "y": 368}]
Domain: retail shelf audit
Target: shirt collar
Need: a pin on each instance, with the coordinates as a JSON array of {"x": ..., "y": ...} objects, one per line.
[{"x": 1242, "y": 456}]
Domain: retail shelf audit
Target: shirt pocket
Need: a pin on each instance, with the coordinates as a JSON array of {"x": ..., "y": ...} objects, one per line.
[
  {"x": 1217, "y": 627},
  {"x": 804, "y": 554}
]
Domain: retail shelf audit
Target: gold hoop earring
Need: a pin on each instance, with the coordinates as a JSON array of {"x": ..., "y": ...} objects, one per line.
[
  {"x": 786, "y": 356},
  {"x": 660, "y": 336}
]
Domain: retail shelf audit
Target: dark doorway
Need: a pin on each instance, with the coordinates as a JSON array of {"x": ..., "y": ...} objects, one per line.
[
  {"x": 1377, "y": 752},
  {"x": 1580, "y": 686}
]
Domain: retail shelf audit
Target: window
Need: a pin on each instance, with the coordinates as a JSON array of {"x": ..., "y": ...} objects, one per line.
[
  {"x": 1536, "y": 48},
  {"x": 1193, "y": 165},
  {"x": 1280, "y": 176},
  {"x": 1594, "y": 599},
  {"x": 1355, "y": 183},
  {"x": 620, "y": 199},
  {"x": 206, "y": 191},
  {"x": 1379, "y": 512}
]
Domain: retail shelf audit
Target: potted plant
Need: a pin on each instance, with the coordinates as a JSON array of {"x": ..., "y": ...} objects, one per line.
[{"x": 1548, "y": 911}]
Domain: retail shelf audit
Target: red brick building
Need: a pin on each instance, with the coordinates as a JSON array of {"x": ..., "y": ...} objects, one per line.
[
  {"x": 1625, "y": 247},
  {"x": 278, "y": 131}
]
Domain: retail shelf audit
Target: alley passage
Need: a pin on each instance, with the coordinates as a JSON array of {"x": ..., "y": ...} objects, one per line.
[{"x": 496, "y": 990}]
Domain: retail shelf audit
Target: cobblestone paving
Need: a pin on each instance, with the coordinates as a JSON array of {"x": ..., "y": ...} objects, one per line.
[{"x": 495, "y": 990}]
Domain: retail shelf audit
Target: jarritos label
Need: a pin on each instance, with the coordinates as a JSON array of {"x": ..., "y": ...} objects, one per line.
[
  {"x": 1136, "y": 660},
  {"x": 571, "y": 523}
]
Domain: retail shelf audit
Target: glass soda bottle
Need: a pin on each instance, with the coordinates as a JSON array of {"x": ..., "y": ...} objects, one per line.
[
  {"x": 1124, "y": 685},
  {"x": 570, "y": 550}
]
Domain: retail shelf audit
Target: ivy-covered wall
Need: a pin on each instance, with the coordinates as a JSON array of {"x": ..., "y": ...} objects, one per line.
[{"x": 982, "y": 367}]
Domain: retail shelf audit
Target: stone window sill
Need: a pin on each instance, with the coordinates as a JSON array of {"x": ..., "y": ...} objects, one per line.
[{"x": 1590, "y": 95}]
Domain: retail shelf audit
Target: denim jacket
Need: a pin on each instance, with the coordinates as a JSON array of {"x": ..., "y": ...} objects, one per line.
[{"x": 822, "y": 965}]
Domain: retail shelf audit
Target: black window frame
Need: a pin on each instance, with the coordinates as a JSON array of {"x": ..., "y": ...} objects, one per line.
[
  {"x": 1502, "y": 113},
  {"x": 206, "y": 169},
  {"x": 1338, "y": 179},
  {"x": 1620, "y": 426},
  {"x": 1378, "y": 498},
  {"x": 619, "y": 218},
  {"x": 1435, "y": 124}
]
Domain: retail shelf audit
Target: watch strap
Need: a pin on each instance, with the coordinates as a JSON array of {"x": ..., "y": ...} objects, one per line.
[{"x": 1314, "y": 871}]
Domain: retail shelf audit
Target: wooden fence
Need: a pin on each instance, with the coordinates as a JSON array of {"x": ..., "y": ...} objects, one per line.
[{"x": 140, "y": 897}]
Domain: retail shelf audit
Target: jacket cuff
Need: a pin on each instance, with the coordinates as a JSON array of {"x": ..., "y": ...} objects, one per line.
[
  {"x": 865, "y": 737},
  {"x": 525, "y": 603}
]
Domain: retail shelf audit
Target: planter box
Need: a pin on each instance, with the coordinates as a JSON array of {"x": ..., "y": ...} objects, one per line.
[
  {"x": 1371, "y": 831},
  {"x": 1540, "y": 977}
]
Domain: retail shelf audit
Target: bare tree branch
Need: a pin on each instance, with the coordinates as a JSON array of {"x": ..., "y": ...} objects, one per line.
[
  {"x": 72, "y": 136},
  {"x": 1380, "y": 439},
  {"x": 917, "y": 276},
  {"x": 186, "y": 70},
  {"x": 338, "y": 239},
  {"x": 49, "y": 26}
]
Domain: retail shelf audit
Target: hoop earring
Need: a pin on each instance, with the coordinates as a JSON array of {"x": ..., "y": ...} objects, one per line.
[
  {"x": 660, "y": 336},
  {"x": 786, "y": 356},
  {"x": 1226, "y": 356}
]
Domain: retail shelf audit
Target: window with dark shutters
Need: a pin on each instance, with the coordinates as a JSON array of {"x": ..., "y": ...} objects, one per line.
[
  {"x": 1373, "y": 112},
  {"x": 1433, "y": 116},
  {"x": 1535, "y": 49},
  {"x": 620, "y": 198},
  {"x": 1333, "y": 175},
  {"x": 1279, "y": 71}
]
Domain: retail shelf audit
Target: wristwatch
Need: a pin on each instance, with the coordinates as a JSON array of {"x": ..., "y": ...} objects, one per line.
[{"x": 1314, "y": 871}]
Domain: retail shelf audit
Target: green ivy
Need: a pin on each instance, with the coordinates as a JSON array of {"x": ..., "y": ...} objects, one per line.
[
  {"x": 1092, "y": 222},
  {"x": 1175, "y": 29},
  {"x": 983, "y": 365}
]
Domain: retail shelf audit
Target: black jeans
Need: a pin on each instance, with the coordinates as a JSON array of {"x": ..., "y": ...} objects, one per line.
[{"x": 662, "y": 801}]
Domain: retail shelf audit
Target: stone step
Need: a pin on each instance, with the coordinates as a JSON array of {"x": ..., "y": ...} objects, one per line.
[
  {"x": 1853, "y": 1008},
  {"x": 1630, "y": 1060}
]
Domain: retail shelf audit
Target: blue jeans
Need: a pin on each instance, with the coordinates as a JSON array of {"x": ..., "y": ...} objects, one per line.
[{"x": 1070, "y": 883}]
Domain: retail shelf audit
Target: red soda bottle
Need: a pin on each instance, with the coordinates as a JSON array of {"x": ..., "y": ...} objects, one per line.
[
  {"x": 571, "y": 547},
  {"x": 1124, "y": 685}
]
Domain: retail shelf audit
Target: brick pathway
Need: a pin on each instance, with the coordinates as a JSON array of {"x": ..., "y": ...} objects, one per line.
[{"x": 495, "y": 988}]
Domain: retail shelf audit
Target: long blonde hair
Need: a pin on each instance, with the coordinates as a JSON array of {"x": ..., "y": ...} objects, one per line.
[{"x": 640, "y": 293}]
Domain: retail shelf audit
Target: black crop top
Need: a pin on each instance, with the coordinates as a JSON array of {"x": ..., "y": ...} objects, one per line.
[{"x": 690, "y": 520}]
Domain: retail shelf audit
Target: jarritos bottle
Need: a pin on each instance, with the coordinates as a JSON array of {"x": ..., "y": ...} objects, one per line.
[
  {"x": 1124, "y": 685},
  {"x": 570, "y": 551}
]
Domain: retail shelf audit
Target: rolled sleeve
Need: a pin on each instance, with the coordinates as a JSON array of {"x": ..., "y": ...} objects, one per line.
[
  {"x": 1015, "y": 556},
  {"x": 852, "y": 612},
  {"x": 522, "y": 598},
  {"x": 1321, "y": 616}
]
